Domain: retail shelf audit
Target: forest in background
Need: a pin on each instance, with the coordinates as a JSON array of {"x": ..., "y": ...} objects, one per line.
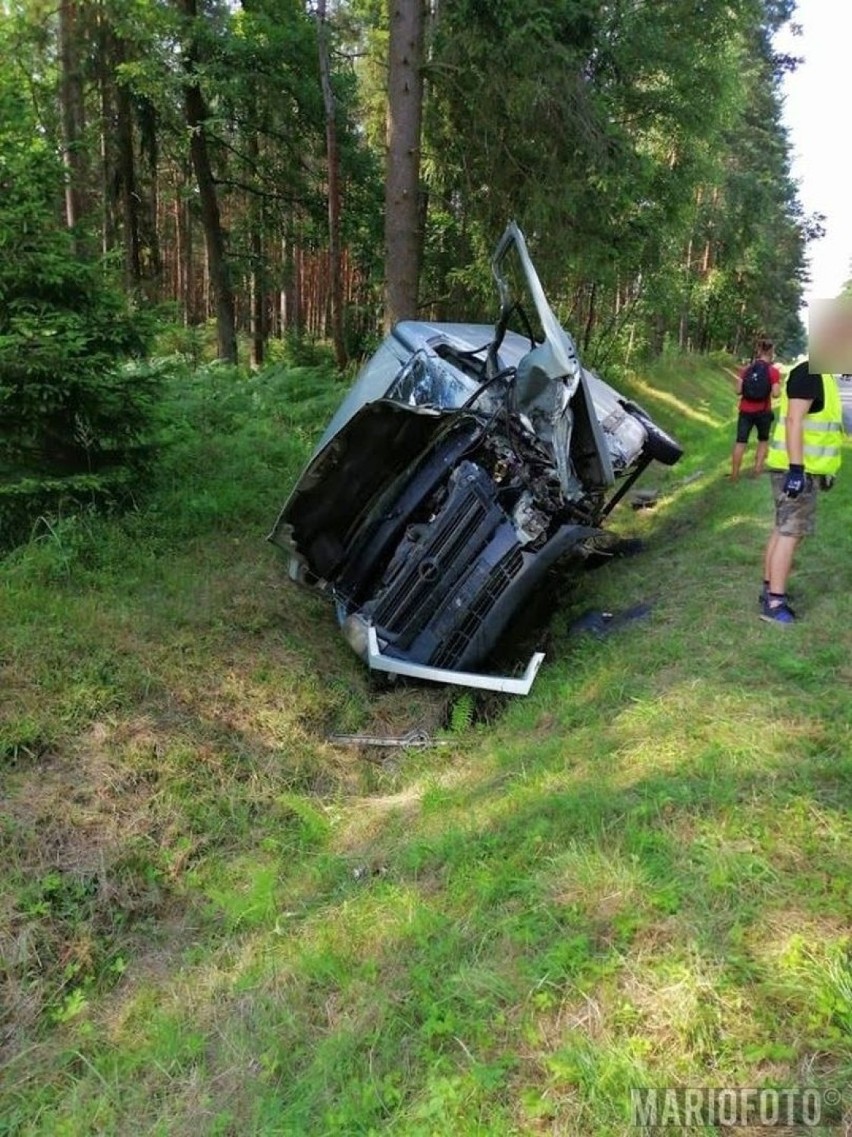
[
  {"x": 215, "y": 920},
  {"x": 289, "y": 173},
  {"x": 639, "y": 145}
]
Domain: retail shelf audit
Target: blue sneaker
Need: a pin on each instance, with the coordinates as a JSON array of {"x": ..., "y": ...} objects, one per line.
[
  {"x": 780, "y": 614},
  {"x": 763, "y": 600}
]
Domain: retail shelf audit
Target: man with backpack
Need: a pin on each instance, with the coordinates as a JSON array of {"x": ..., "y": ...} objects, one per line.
[{"x": 757, "y": 385}]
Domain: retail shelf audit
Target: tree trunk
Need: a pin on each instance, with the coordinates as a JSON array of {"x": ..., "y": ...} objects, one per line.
[
  {"x": 195, "y": 111},
  {"x": 686, "y": 295},
  {"x": 403, "y": 236},
  {"x": 190, "y": 292},
  {"x": 257, "y": 290},
  {"x": 154, "y": 268},
  {"x": 106, "y": 188},
  {"x": 293, "y": 305},
  {"x": 333, "y": 164},
  {"x": 127, "y": 179},
  {"x": 150, "y": 211},
  {"x": 257, "y": 311},
  {"x": 71, "y": 113},
  {"x": 591, "y": 317},
  {"x": 178, "y": 254}
]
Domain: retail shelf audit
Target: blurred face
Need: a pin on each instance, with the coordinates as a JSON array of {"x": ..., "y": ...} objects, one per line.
[{"x": 830, "y": 336}]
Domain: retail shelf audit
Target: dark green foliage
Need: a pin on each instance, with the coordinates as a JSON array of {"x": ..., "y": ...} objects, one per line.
[
  {"x": 640, "y": 147},
  {"x": 74, "y": 414}
]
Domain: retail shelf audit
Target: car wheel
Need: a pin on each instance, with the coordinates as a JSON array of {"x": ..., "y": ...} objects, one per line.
[{"x": 658, "y": 444}]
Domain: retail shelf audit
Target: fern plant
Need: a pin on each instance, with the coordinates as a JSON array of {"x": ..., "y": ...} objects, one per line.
[{"x": 461, "y": 714}]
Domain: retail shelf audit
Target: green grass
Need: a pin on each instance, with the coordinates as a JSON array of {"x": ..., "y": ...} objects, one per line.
[{"x": 213, "y": 921}]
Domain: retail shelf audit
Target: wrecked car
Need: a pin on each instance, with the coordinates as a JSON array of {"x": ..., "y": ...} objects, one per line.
[{"x": 464, "y": 462}]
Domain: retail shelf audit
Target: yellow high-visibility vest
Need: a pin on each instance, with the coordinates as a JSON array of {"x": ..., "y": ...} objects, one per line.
[{"x": 822, "y": 434}]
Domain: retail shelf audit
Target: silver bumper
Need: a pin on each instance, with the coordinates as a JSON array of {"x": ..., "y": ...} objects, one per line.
[{"x": 510, "y": 686}]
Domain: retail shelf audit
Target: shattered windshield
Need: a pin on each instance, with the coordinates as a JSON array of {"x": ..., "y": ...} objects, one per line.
[{"x": 425, "y": 381}]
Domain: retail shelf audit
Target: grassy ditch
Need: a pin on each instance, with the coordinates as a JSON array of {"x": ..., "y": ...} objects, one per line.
[{"x": 214, "y": 921}]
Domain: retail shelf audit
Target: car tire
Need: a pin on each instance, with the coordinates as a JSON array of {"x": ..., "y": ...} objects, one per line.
[{"x": 658, "y": 444}]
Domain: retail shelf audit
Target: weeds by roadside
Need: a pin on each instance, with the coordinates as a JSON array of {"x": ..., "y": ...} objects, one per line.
[{"x": 214, "y": 921}]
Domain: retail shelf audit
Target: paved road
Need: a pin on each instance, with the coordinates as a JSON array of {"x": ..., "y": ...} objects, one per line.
[{"x": 846, "y": 397}]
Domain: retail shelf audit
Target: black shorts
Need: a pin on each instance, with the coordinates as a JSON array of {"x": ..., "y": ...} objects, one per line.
[{"x": 763, "y": 420}]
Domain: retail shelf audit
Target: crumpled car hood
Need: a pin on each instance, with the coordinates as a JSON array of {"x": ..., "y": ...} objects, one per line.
[{"x": 365, "y": 458}]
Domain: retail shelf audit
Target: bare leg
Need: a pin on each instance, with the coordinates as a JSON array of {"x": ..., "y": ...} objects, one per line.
[
  {"x": 760, "y": 457},
  {"x": 737, "y": 459},
  {"x": 780, "y": 563},
  {"x": 767, "y": 556}
]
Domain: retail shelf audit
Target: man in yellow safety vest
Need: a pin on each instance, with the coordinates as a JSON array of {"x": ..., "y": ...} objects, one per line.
[{"x": 804, "y": 457}]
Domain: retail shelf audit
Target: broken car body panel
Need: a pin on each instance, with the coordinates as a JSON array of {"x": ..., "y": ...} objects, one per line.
[{"x": 463, "y": 463}]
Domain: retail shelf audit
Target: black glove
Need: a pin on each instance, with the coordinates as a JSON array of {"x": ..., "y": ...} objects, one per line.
[{"x": 794, "y": 483}]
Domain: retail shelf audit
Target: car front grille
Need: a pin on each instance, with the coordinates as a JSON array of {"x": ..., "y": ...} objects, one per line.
[
  {"x": 431, "y": 558},
  {"x": 499, "y": 579},
  {"x": 448, "y": 573}
]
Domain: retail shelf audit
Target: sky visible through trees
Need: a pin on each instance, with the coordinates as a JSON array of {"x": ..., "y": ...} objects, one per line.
[
  {"x": 815, "y": 96},
  {"x": 228, "y": 160}
]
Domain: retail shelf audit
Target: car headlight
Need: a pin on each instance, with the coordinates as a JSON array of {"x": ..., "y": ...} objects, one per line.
[{"x": 354, "y": 630}]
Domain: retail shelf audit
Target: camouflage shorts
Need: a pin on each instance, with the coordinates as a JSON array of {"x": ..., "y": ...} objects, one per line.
[{"x": 795, "y": 517}]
